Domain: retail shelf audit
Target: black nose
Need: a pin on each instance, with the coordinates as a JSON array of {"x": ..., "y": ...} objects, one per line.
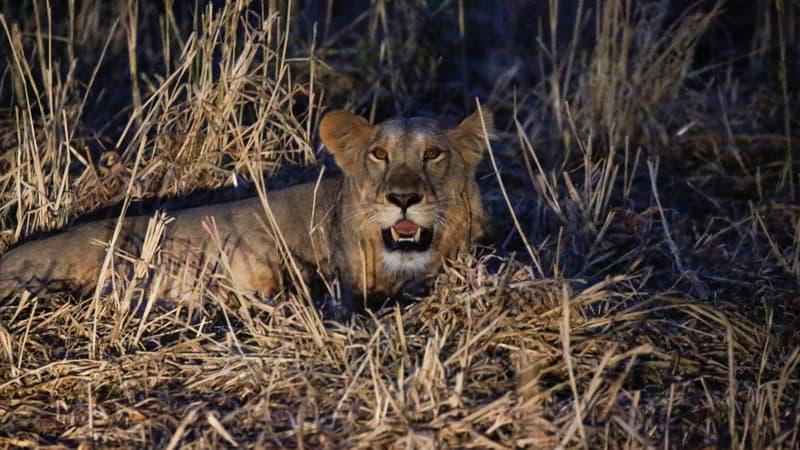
[{"x": 404, "y": 200}]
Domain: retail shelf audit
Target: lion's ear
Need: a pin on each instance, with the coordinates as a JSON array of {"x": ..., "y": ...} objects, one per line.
[
  {"x": 342, "y": 132},
  {"x": 469, "y": 137}
]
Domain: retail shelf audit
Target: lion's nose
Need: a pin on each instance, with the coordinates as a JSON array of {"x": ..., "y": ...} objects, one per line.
[{"x": 404, "y": 201}]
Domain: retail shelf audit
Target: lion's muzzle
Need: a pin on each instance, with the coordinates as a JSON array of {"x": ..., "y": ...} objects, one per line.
[{"x": 406, "y": 235}]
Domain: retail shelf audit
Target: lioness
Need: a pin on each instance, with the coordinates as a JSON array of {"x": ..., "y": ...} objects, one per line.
[{"x": 407, "y": 200}]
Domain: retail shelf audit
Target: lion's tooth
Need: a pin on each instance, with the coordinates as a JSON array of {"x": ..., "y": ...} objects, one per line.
[
  {"x": 395, "y": 236},
  {"x": 418, "y": 235}
]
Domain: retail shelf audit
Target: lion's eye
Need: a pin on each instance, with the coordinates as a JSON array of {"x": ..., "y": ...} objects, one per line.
[
  {"x": 379, "y": 153},
  {"x": 432, "y": 153}
]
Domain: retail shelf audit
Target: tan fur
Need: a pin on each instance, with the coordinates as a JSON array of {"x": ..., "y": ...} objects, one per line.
[{"x": 340, "y": 239}]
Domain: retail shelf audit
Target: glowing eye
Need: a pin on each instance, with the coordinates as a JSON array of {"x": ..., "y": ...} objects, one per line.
[
  {"x": 432, "y": 153},
  {"x": 379, "y": 153}
]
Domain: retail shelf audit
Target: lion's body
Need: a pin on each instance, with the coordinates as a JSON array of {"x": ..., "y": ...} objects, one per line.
[{"x": 335, "y": 230}]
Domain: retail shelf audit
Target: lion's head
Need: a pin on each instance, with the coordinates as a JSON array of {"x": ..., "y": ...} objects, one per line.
[{"x": 413, "y": 184}]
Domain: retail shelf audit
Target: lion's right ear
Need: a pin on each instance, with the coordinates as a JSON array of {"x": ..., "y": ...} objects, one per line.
[
  {"x": 342, "y": 132},
  {"x": 470, "y": 137}
]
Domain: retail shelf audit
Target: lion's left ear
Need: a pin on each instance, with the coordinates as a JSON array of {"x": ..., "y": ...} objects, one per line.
[
  {"x": 469, "y": 137},
  {"x": 342, "y": 133}
]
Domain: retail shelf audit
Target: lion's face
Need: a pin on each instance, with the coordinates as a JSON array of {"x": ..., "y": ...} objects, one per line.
[{"x": 413, "y": 181}]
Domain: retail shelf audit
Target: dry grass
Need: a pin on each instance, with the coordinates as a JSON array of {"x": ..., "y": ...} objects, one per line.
[{"x": 640, "y": 291}]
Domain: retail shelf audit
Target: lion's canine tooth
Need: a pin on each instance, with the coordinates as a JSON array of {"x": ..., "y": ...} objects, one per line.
[
  {"x": 418, "y": 234},
  {"x": 395, "y": 236}
]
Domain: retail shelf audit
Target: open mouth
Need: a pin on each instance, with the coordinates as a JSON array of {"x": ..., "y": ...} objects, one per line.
[{"x": 406, "y": 235}]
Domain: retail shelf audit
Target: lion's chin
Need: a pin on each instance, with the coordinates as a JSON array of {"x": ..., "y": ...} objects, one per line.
[
  {"x": 407, "y": 264},
  {"x": 407, "y": 236}
]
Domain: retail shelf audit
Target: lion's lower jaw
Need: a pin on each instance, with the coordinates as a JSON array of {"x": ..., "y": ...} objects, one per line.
[{"x": 407, "y": 264}]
